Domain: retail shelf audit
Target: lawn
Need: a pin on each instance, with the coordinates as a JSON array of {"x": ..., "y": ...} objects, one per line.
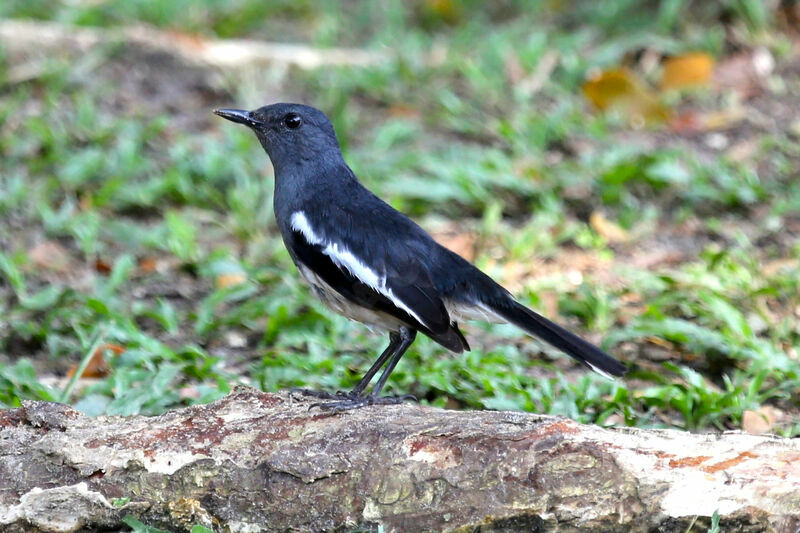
[{"x": 137, "y": 227}]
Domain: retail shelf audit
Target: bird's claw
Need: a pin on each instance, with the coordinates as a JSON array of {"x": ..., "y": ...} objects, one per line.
[
  {"x": 322, "y": 395},
  {"x": 345, "y": 401}
]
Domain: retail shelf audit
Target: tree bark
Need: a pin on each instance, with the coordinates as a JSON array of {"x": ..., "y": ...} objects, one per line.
[{"x": 266, "y": 462}]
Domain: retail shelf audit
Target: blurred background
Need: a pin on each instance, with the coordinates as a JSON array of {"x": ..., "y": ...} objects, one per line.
[{"x": 629, "y": 168}]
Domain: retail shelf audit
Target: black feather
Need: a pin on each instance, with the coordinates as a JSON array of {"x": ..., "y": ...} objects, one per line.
[
  {"x": 420, "y": 298},
  {"x": 550, "y": 332}
]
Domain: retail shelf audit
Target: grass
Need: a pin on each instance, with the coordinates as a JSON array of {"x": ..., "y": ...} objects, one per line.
[{"x": 149, "y": 217}]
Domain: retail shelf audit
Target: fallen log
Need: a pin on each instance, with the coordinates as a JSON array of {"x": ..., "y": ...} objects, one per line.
[
  {"x": 266, "y": 462},
  {"x": 228, "y": 53}
]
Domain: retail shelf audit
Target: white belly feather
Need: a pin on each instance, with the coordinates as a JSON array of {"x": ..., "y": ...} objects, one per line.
[{"x": 340, "y": 304}]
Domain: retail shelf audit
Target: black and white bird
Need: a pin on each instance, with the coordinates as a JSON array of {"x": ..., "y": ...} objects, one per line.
[{"x": 373, "y": 264}]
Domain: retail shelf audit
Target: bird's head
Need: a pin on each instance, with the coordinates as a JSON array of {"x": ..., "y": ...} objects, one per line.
[{"x": 290, "y": 133}]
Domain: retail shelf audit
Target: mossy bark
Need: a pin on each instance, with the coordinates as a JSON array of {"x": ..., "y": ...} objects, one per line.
[{"x": 266, "y": 462}]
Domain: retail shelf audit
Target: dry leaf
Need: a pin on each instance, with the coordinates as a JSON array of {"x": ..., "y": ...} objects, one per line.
[
  {"x": 102, "y": 266},
  {"x": 97, "y": 367},
  {"x": 653, "y": 258},
  {"x": 621, "y": 90},
  {"x": 719, "y": 120},
  {"x": 513, "y": 274},
  {"x": 85, "y": 202},
  {"x": 190, "y": 41},
  {"x": 403, "y": 111},
  {"x": 691, "y": 122},
  {"x": 762, "y": 420},
  {"x": 789, "y": 12},
  {"x": 775, "y": 266},
  {"x": 448, "y": 11},
  {"x": 148, "y": 264},
  {"x": 744, "y": 73},
  {"x": 615, "y": 419},
  {"x": 190, "y": 392},
  {"x": 610, "y": 231},
  {"x": 686, "y": 122},
  {"x": 687, "y": 70},
  {"x": 50, "y": 255},
  {"x": 460, "y": 242},
  {"x": 605, "y": 88},
  {"x": 663, "y": 343},
  {"x": 549, "y": 303},
  {"x": 744, "y": 150},
  {"x": 229, "y": 279},
  {"x": 161, "y": 265}
]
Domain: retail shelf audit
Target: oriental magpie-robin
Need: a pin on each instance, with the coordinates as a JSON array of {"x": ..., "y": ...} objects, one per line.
[{"x": 373, "y": 264}]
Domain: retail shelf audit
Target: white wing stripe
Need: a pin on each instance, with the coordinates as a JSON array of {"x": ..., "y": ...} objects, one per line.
[
  {"x": 343, "y": 258},
  {"x": 300, "y": 223}
]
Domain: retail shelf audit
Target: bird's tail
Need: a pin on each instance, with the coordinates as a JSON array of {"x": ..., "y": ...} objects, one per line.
[{"x": 550, "y": 332}]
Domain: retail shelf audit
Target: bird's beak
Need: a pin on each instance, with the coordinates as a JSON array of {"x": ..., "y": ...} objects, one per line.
[{"x": 239, "y": 116}]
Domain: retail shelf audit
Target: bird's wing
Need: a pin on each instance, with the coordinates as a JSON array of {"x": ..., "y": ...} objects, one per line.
[{"x": 382, "y": 276}]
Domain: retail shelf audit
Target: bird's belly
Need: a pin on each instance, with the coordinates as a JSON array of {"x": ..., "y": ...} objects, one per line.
[{"x": 335, "y": 301}]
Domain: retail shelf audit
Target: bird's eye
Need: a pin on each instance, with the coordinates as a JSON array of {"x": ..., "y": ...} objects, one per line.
[{"x": 292, "y": 121}]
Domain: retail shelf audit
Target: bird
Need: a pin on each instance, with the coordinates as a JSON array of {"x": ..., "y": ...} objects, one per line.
[{"x": 373, "y": 264}]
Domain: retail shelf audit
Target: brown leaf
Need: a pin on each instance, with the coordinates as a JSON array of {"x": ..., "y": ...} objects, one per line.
[
  {"x": 85, "y": 202},
  {"x": 762, "y": 420},
  {"x": 605, "y": 88},
  {"x": 655, "y": 257},
  {"x": 458, "y": 241},
  {"x": 229, "y": 279},
  {"x": 549, "y": 303},
  {"x": 97, "y": 367},
  {"x": 50, "y": 255},
  {"x": 513, "y": 273},
  {"x": 190, "y": 392},
  {"x": 691, "y": 121},
  {"x": 621, "y": 90},
  {"x": 102, "y": 266},
  {"x": 610, "y": 231},
  {"x": 687, "y": 70},
  {"x": 658, "y": 341},
  {"x": 775, "y": 266},
  {"x": 789, "y": 13},
  {"x": 686, "y": 122},
  {"x": 187, "y": 40},
  {"x": 403, "y": 111},
  {"x": 162, "y": 265},
  {"x": 148, "y": 264},
  {"x": 744, "y": 150},
  {"x": 448, "y": 11},
  {"x": 720, "y": 120},
  {"x": 744, "y": 73}
]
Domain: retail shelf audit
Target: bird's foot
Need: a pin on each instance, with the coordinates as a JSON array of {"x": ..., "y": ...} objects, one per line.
[
  {"x": 324, "y": 395},
  {"x": 353, "y": 401}
]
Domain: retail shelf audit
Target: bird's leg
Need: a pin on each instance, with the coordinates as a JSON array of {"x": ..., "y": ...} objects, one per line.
[
  {"x": 355, "y": 399},
  {"x": 394, "y": 342},
  {"x": 407, "y": 337}
]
